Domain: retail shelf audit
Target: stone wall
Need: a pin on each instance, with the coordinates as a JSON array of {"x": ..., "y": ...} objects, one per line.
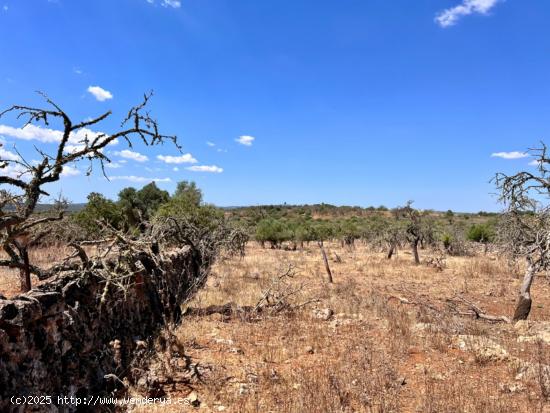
[{"x": 65, "y": 336}]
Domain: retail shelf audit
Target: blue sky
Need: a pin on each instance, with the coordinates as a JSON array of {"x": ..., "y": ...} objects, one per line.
[{"x": 357, "y": 102}]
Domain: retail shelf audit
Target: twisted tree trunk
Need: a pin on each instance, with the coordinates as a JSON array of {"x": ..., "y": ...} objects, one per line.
[
  {"x": 25, "y": 270},
  {"x": 415, "y": 251},
  {"x": 523, "y": 305},
  {"x": 391, "y": 251}
]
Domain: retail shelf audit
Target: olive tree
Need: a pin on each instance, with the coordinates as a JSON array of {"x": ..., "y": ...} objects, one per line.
[{"x": 417, "y": 228}]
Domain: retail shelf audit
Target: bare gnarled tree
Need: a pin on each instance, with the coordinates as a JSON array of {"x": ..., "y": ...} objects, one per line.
[
  {"x": 525, "y": 225},
  {"x": 23, "y": 182}
]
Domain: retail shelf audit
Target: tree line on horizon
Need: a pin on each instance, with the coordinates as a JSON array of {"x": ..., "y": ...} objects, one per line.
[{"x": 276, "y": 226}]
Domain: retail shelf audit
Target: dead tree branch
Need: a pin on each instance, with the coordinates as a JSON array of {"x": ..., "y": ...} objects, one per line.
[{"x": 24, "y": 181}]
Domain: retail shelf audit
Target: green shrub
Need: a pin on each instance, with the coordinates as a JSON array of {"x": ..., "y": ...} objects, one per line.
[
  {"x": 97, "y": 209},
  {"x": 480, "y": 233},
  {"x": 273, "y": 231}
]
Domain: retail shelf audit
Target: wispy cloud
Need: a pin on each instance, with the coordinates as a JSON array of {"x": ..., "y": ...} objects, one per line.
[
  {"x": 185, "y": 158},
  {"x": 175, "y": 4},
  {"x": 74, "y": 148},
  {"x": 37, "y": 133},
  {"x": 138, "y": 179},
  {"x": 245, "y": 140},
  {"x": 5, "y": 7},
  {"x": 16, "y": 171},
  {"x": 135, "y": 156},
  {"x": 114, "y": 165},
  {"x": 211, "y": 144},
  {"x": 99, "y": 93},
  {"x": 510, "y": 155},
  {"x": 69, "y": 171},
  {"x": 450, "y": 17},
  {"x": 205, "y": 168},
  {"x": 32, "y": 132},
  {"x": 6, "y": 155}
]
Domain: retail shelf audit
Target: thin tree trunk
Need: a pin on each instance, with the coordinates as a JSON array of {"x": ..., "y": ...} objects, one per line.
[
  {"x": 523, "y": 305},
  {"x": 325, "y": 259},
  {"x": 391, "y": 251},
  {"x": 415, "y": 252},
  {"x": 25, "y": 273}
]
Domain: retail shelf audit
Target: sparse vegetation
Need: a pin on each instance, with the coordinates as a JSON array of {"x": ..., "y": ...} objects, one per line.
[{"x": 311, "y": 307}]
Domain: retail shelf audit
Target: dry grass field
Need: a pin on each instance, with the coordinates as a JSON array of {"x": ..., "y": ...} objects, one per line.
[{"x": 385, "y": 337}]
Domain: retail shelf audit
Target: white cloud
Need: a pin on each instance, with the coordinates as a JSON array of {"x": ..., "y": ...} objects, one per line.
[
  {"x": 114, "y": 165},
  {"x": 82, "y": 134},
  {"x": 176, "y": 4},
  {"x": 32, "y": 132},
  {"x": 5, "y": 8},
  {"x": 135, "y": 156},
  {"x": 175, "y": 169},
  {"x": 138, "y": 179},
  {"x": 534, "y": 162},
  {"x": 205, "y": 168},
  {"x": 74, "y": 148},
  {"x": 211, "y": 144},
  {"x": 99, "y": 93},
  {"x": 19, "y": 171},
  {"x": 78, "y": 71},
  {"x": 510, "y": 155},
  {"x": 15, "y": 171},
  {"x": 185, "y": 158},
  {"x": 450, "y": 17},
  {"x": 69, "y": 171},
  {"x": 245, "y": 140},
  {"x": 6, "y": 155},
  {"x": 37, "y": 133}
]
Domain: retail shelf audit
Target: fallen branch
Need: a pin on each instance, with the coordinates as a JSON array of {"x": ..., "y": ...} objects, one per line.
[
  {"x": 228, "y": 310},
  {"x": 403, "y": 300},
  {"x": 472, "y": 311},
  {"x": 477, "y": 312}
]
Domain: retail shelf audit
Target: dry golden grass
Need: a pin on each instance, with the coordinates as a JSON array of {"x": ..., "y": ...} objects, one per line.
[{"x": 374, "y": 354}]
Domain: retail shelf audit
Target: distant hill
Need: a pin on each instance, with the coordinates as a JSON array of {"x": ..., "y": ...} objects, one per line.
[{"x": 316, "y": 210}]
